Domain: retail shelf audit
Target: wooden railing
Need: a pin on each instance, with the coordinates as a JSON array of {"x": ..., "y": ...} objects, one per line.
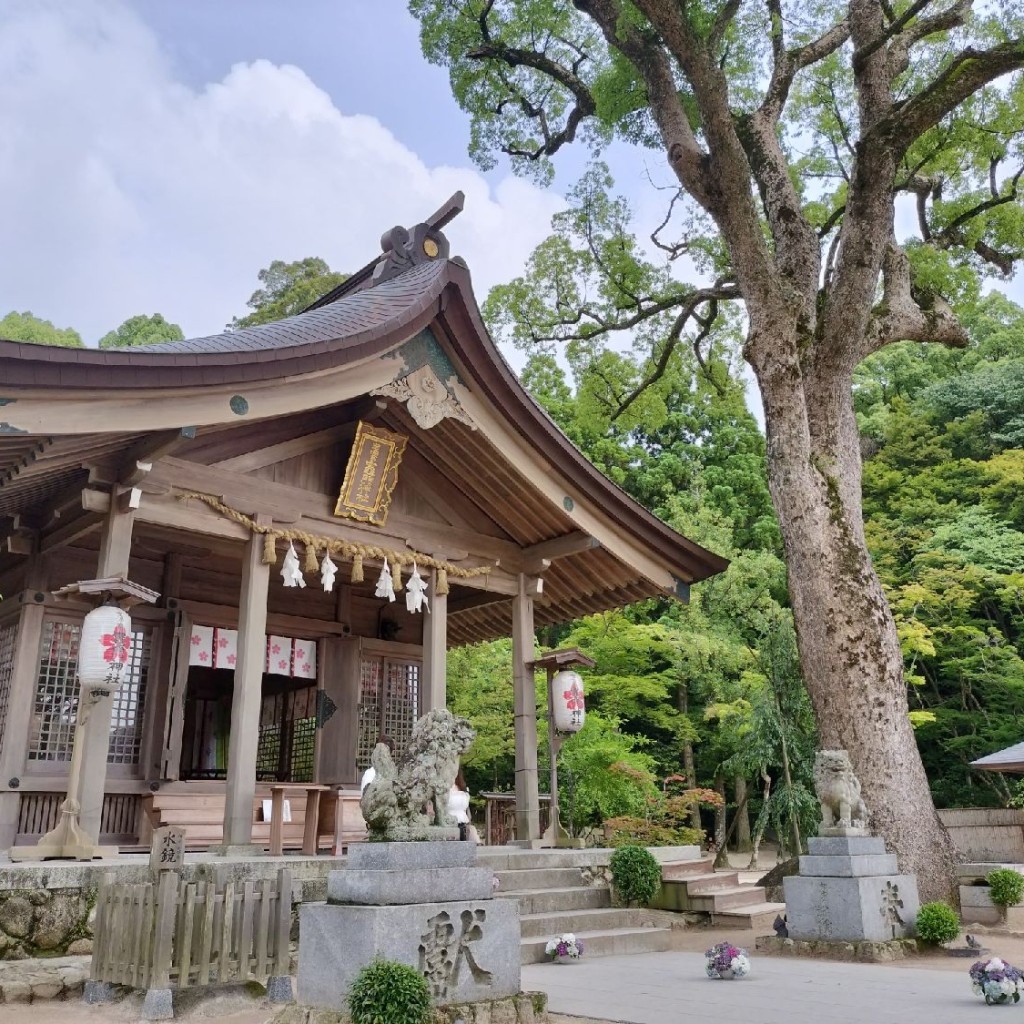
[
  {"x": 175, "y": 934},
  {"x": 500, "y": 817},
  {"x": 38, "y": 813}
]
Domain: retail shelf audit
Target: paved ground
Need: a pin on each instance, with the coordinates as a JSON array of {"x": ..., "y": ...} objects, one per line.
[{"x": 670, "y": 988}]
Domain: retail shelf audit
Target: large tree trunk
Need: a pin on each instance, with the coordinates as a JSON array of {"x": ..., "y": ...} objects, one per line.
[
  {"x": 689, "y": 764},
  {"x": 849, "y": 650},
  {"x": 743, "y": 843}
]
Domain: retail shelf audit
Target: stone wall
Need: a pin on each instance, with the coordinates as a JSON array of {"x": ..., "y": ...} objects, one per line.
[
  {"x": 46, "y": 922},
  {"x": 987, "y": 835}
]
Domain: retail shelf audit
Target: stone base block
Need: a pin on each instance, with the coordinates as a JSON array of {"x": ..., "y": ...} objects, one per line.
[
  {"x": 845, "y": 846},
  {"x": 524, "y": 1008},
  {"x": 844, "y": 830},
  {"x": 399, "y": 856},
  {"x": 861, "y": 952},
  {"x": 468, "y": 951},
  {"x": 422, "y": 834},
  {"x": 850, "y": 867},
  {"x": 279, "y": 989},
  {"x": 98, "y": 992},
  {"x": 158, "y": 1005},
  {"x": 411, "y": 885},
  {"x": 873, "y": 907}
]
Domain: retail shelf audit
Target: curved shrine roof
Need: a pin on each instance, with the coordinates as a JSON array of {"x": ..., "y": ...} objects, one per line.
[{"x": 354, "y": 324}]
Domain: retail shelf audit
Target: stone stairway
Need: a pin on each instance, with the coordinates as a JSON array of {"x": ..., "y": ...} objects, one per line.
[
  {"x": 566, "y": 891},
  {"x": 694, "y": 886}
]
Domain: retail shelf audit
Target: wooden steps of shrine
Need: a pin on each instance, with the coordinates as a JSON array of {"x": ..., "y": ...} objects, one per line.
[{"x": 202, "y": 817}]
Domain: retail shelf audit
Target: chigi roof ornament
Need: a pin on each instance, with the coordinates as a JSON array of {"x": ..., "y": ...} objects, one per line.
[{"x": 424, "y": 243}]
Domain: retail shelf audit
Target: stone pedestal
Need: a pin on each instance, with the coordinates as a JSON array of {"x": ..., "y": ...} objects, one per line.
[
  {"x": 849, "y": 890},
  {"x": 424, "y": 904}
]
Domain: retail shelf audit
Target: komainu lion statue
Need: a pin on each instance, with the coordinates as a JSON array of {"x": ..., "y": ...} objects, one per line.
[
  {"x": 838, "y": 791},
  {"x": 395, "y": 803}
]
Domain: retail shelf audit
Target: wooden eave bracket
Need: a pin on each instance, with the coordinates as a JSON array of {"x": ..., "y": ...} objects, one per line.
[
  {"x": 20, "y": 538},
  {"x": 537, "y": 558}
]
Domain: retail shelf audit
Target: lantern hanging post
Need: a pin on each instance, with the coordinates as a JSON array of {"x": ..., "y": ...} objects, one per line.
[
  {"x": 566, "y": 715},
  {"x": 104, "y": 662}
]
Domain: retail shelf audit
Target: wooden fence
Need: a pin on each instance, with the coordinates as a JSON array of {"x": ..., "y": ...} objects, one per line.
[{"x": 175, "y": 934}]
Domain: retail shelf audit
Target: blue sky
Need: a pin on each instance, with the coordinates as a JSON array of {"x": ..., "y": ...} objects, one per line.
[
  {"x": 155, "y": 155},
  {"x": 364, "y": 53}
]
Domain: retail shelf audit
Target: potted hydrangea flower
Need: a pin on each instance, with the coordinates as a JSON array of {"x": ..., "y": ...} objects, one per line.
[
  {"x": 726, "y": 961},
  {"x": 997, "y": 981},
  {"x": 564, "y": 949}
]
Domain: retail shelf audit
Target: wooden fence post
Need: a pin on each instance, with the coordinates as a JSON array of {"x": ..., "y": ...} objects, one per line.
[
  {"x": 279, "y": 984},
  {"x": 158, "y": 1005}
]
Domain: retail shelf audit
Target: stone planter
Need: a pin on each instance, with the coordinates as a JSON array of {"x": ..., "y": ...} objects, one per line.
[{"x": 567, "y": 959}]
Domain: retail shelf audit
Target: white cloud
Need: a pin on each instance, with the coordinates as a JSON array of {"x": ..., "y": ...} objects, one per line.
[{"x": 124, "y": 191}]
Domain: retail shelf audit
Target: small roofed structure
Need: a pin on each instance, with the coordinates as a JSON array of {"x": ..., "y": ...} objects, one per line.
[
  {"x": 325, "y": 504},
  {"x": 1011, "y": 760}
]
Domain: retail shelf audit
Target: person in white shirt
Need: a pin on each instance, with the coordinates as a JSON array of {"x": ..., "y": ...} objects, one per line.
[
  {"x": 371, "y": 773},
  {"x": 458, "y": 807}
]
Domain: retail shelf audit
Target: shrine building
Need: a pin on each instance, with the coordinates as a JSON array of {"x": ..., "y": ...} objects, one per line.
[{"x": 257, "y": 481}]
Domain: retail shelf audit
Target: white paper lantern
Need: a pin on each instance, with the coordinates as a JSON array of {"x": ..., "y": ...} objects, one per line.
[
  {"x": 568, "y": 700},
  {"x": 105, "y": 650}
]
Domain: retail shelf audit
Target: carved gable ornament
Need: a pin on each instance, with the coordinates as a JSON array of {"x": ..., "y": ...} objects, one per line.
[
  {"x": 371, "y": 475},
  {"x": 426, "y": 397}
]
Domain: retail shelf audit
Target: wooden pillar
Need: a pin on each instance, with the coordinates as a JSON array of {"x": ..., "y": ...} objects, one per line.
[
  {"x": 115, "y": 554},
  {"x": 527, "y": 801},
  {"x": 338, "y": 678},
  {"x": 21, "y": 699},
  {"x": 435, "y": 649},
  {"x": 247, "y": 695}
]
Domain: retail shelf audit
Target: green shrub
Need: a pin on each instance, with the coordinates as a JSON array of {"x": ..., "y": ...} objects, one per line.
[
  {"x": 1006, "y": 887},
  {"x": 937, "y": 922},
  {"x": 386, "y": 992},
  {"x": 636, "y": 875},
  {"x": 641, "y": 832}
]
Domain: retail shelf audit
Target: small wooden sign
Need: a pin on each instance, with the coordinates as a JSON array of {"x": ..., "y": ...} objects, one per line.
[
  {"x": 167, "y": 852},
  {"x": 371, "y": 475}
]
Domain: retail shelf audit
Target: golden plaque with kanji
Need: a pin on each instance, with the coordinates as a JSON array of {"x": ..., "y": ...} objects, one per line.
[{"x": 371, "y": 474}]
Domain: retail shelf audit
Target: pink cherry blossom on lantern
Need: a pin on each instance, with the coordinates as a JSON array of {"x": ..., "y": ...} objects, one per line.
[
  {"x": 231, "y": 659},
  {"x": 116, "y": 645},
  {"x": 204, "y": 656},
  {"x": 573, "y": 698}
]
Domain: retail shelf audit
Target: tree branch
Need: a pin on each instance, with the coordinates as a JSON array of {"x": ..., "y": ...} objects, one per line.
[
  {"x": 907, "y": 315},
  {"x": 686, "y": 156},
  {"x": 722, "y": 18},
  {"x": 516, "y": 57},
  {"x": 711, "y": 296},
  {"x": 788, "y": 63},
  {"x": 968, "y": 72}
]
